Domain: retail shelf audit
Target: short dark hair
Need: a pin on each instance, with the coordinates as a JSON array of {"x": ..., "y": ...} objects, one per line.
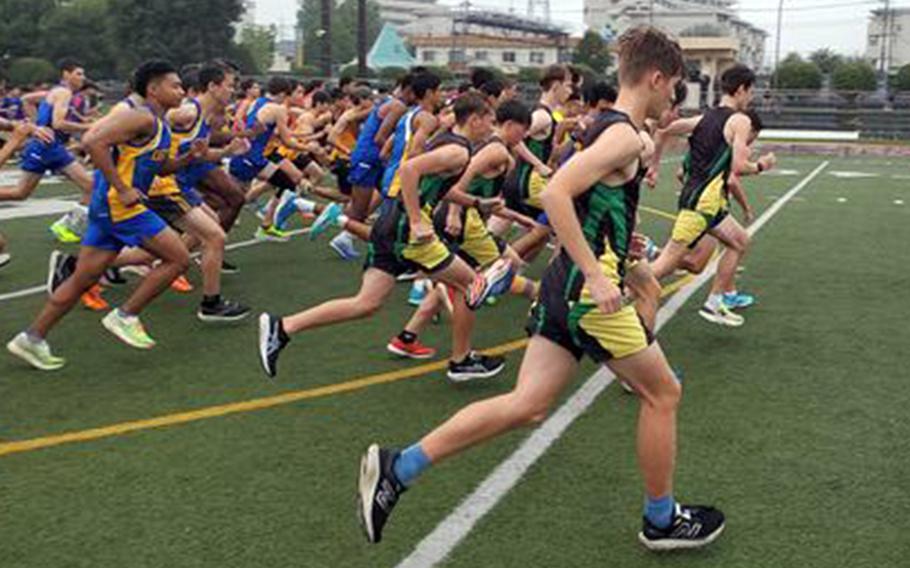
[
  {"x": 680, "y": 93},
  {"x": 463, "y": 88},
  {"x": 513, "y": 111},
  {"x": 208, "y": 75},
  {"x": 492, "y": 88},
  {"x": 189, "y": 74},
  {"x": 280, "y": 86},
  {"x": 68, "y": 65},
  {"x": 756, "y": 121},
  {"x": 321, "y": 98},
  {"x": 422, "y": 83},
  {"x": 599, "y": 91},
  {"x": 150, "y": 72},
  {"x": 228, "y": 66},
  {"x": 345, "y": 81},
  {"x": 480, "y": 76},
  {"x": 360, "y": 94},
  {"x": 247, "y": 84},
  {"x": 469, "y": 105},
  {"x": 553, "y": 74},
  {"x": 645, "y": 48},
  {"x": 735, "y": 77}
]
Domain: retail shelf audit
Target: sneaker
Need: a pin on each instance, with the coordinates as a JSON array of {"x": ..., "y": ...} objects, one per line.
[
  {"x": 271, "y": 234},
  {"x": 228, "y": 268},
  {"x": 272, "y": 340},
  {"x": 344, "y": 248},
  {"x": 475, "y": 366},
  {"x": 139, "y": 270},
  {"x": 721, "y": 315},
  {"x": 4, "y": 259},
  {"x": 64, "y": 234},
  {"x": 94, "y": 301},
  {"x": 223, "y": 311},
  {"x": 326, "y": 219},
  {"x": 60, "y": 267},
  {"x": 286, "y": 207},
  {"x": 112, "y": 277},
  {"x": 693, "y": 526},
  {"x": 35, "y": 353},
  {"x": 181, "y": 285},
  {"x": 627, "y": 387},
  {"x": 128, "y": 330},
  {"x": 413, "y": 350},
  {"x": 407, "y": 276},
  {"x": 378, "y": 491},
  {"x": 652, "y": 251},
  {"x": 418, "y": 292},
  {"x": 494, "y": 281},
  {"x": 737, "y": 301}
]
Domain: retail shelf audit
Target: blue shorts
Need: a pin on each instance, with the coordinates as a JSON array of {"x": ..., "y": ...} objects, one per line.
[
  {"x": 246, "y": 168},
  {"x": 102, "y": 233},
  {"x": 40, "y": 158},
  {"x": 189, "y": 177},
  {"x": 365, "y": 173}
]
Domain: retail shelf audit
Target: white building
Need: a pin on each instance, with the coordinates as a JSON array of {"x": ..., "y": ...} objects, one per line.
[
  {"x": 682, "y": 18},
  {"x": 487, "y": 39},
  {"x": 888, "y": 38},
  {"x": 404, "y": 12}
]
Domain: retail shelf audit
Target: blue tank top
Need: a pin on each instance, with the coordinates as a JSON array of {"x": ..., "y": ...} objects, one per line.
[
  {"x": 366, "y": 145},
  {"x": 45, "y": 117},
  {"x": 259, "y": 143},
  {"x": 404, "y": 132}
]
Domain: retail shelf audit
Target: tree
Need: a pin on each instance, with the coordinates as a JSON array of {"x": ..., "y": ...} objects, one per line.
[
  {"x": 344, "y": 30},
  {"x": 29, "y": 70},
  {"x": 826, "y": 60},
  {"x": 529, "y": 75},
  {"x": 795, "y": 73},
  {"x": 20, "y": 25},
  {"x": 259, "y": 41},
  {"x": 854, "y": 75},
  {"x": 593, "y": 51},
  {"x": 181, "y": 31},
  {"x": 902, "y": 79},
  {"x": 81, "y": 30}
]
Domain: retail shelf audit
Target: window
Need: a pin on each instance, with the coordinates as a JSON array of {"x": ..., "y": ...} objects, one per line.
[
  {"x": 456, "y": 56},
  {"x": 481, "y": 55},
  {"x": 508, "y": 57},
  {"x": 429, "y": 56},
  {"x": 537, "y": 57}
]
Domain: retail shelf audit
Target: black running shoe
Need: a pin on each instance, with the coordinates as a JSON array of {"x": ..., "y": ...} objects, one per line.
[
  {"x": 693, "y": 526},
  {"x": 112, "y": 277},
  {"x": 223, "y": 311},
  {"x": 60, "y": 267},
  {"x": 476, "y": 366},
  {"x": 228, "y": 268},
  {"x": 378, "y": 490},
  {"x": 272, "y": 339}
]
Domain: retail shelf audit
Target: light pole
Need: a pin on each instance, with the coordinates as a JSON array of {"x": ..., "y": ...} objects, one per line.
[{"x": 780, "y": 17}]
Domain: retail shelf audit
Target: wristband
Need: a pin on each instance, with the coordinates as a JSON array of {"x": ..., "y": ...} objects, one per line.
[{"x": 760, "y": 167}]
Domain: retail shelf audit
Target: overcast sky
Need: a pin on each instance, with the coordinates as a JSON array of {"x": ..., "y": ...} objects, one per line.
[{"x": 807, "y": 24}]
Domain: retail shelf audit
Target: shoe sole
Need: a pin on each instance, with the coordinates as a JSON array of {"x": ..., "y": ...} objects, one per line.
[
  {"x": 669, "y": 544},
  {"x": 341, "y": 253},
  {"x": 51, "y": 266},
  {"x": 263, "y": 344},
  {"x": 367, "y": 483},
  {"x": 4, "y": 260},
  {"x": 402, "y": 353},
  {"x": 464, "y": 378},
  {"x": 17, "y": 351},
  {"x": 221, "y": 319},
  {"x": 124, "y": 339},
  {"x": 719, "y": 320}
]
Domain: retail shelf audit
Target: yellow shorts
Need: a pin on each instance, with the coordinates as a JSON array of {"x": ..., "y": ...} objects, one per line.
[
  {"x": 478, "y": 244},
  {"x": 691, "y": 226}
]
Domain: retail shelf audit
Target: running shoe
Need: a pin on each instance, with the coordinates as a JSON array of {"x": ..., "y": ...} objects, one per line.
[
  {"x": 418, "y": 292},
  {"x": 272, "y": 234},
  {"x": 93, "y": 300},
  {"x": 494, "y": 281},
  {"x": 475, "y": 366},
  {"x": 229, "y": 268},
  {"x": 223, "y": 311},
  {"x": 35, "y": 353},
  {"x": 326, "y": 219},
  {"x": 64, "y": 234},
  {"x": 60, "y": 267},
  {"x": 286, "y": 208},
  {"x": 181, "y": 285},
  {"x": 4, "y": 259},
  {"x": 128, "y": 329},
  {"x": 736, "y": 301},
  {"x": 413, "y": 350},
  {"x": 721, "y": 315},
  {"x": 272, "y": 339},
  {"x": 378, "y": 490},
  {"x": 693, "y": 526},
  {"x": 112, "y": 277},
  {"x": 344, "y": 248}
]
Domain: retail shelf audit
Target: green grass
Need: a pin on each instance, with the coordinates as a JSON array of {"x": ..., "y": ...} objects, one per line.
[{"x": 794, "y": 424}]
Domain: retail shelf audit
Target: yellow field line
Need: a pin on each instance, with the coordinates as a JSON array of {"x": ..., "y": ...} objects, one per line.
[
  {"x": 658, "y": 212},
  {"x": 91, "y": 434}
]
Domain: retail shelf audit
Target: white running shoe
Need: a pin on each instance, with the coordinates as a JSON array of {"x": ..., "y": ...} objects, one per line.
[{"x": 721, "y": 315}]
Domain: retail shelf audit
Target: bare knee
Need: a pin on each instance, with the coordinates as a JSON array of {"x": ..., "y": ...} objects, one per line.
[
  {"x": 368, "y": 306},
  {"x": 527, "y": 412},
  {"x": 664, "y": 396}
]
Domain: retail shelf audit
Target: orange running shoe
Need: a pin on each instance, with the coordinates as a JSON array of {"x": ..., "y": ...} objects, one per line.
[
  {"x": 181, "y": 284},
  {"x": 93, "y": 299}
]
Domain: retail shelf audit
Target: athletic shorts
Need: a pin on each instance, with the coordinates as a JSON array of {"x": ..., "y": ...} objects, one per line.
[
  {"x": 40, "y": 158},
  {"x": 691, "y": 226},
  {"x": 190, "y": 176},
  {"x": 391, "y": 249},
  {"x": 522, "y": 190},
  {"x": 246, "y": 168},
  {"x": 365, "y": 173},
  {"x": 565, "y": 314},
  {"x": 172, "y": 207},
  {"x": 102, "y": 233},
  {"x": 342, "y": 168},
  {"x": 475, "y": 244}
]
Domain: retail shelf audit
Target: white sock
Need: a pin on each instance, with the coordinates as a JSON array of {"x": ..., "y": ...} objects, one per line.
[
  {"x": 714, "y": 301},
  {"x": 341, "y": 221},
  {"x": 304, "y": 205}
]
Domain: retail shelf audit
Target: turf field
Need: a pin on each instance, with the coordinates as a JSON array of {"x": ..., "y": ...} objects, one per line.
[{"x": 795, "y": 424}]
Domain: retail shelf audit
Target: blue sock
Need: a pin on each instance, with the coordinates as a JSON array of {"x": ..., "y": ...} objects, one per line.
[
  {"x": 410, "y": 464},
  {"x": 660, "y": 511}
]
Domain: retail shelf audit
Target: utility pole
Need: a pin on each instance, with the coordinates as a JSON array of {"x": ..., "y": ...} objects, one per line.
[
  {"x": 780, "y": 18},
  {"x": 362, "y": 38},
  {"x": 885, "y": 37},
  {"x": 326, "y": 8}
]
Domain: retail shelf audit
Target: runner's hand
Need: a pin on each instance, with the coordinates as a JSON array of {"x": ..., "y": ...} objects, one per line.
[{"x": 604, "y": 293}]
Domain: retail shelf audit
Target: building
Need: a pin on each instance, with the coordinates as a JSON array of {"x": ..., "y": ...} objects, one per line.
[
  {"x": 888, "y": 38},
  {"x": 683, "y": 19},
  {"x": 403, "y": 12},
  {"x": 466, "y": 39}
]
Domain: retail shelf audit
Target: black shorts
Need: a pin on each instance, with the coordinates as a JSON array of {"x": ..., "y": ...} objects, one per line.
[
  {"x": 172, "y": 207},
  {"x": 565, "y": 314},
  {"x": 341, "y": 168},
  {"x": 282, "y": 181},
  {"x": 391, "y": 250},
  {"x": 474, "y": 244}
]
